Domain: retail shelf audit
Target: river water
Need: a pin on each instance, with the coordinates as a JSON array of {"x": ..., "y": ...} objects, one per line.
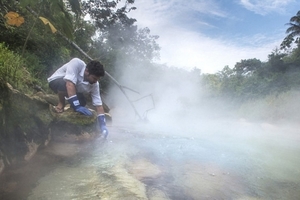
[{"x": 225, "y": 160}]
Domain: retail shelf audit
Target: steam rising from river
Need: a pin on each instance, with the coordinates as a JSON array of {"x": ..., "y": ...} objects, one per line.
[
  {"x": 189, "y": 149},
  {"x": 212, "y": 152},
  {"x": 170, "y": 100}
]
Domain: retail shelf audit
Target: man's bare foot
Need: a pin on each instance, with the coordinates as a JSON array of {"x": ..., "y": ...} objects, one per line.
[{"x": 58, "y": 110}]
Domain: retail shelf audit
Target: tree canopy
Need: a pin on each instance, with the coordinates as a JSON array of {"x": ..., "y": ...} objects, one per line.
[
  {"x": 108, "y": 36},
  {"x": 293, "y": 32}
]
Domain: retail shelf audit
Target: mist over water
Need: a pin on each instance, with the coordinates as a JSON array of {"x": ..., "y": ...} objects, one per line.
[
  {"x": 216, "y": 154},
  {"x": 169, "y": 99},
  {"x": 222, "y": 160},
  {"x": 184, "y": 146},
  {"x": 188, "y": 147}
]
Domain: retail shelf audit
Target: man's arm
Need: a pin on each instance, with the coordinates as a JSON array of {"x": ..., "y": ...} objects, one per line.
[
  {"x": 102, "y": 121},
  {"x": 99, "y": 110},
  {"x": 71, "y": 89},
  {"x": 73, "y": 99}
]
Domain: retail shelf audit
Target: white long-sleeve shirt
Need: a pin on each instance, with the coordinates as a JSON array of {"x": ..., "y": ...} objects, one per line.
[{"x": 74, "y": 71}]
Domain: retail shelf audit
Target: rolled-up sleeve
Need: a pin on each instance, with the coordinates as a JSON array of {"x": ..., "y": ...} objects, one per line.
[{"x": 95, "y": 94}]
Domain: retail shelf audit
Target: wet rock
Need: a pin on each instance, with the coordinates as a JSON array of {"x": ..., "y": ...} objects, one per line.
[
  {"x": 25, "y": 120},
  {"x": 28, "y": 122},
  {"x": 158, "y": 195},
  {"x": 32, "y": 149},
  {"x": 1, "y": 165},
  {"x": 143, "y": 168},
  {"x": 63, "y": 149},
  {"x": 203, "y": 181},
  {"x": 129, "y": 184}
]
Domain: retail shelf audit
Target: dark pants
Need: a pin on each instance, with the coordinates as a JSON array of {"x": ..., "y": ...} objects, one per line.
[{"x": 59, "y": 85}]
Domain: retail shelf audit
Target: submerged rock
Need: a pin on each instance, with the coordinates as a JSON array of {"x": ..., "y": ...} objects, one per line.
[{"x": 143, "y": 168}]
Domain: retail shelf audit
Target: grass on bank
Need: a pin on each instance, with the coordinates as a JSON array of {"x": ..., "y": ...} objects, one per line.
[{"x": 15, "y": 70}]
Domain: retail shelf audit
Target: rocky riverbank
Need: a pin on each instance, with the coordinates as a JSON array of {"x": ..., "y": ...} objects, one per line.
[{"x": 27, "y": 123}]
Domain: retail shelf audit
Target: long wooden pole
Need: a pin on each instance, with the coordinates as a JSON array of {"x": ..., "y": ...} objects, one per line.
[{"x": 87, "y": 56}]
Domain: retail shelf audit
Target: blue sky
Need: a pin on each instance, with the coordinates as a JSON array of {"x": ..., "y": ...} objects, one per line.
[{"x": 210, "y": 34}]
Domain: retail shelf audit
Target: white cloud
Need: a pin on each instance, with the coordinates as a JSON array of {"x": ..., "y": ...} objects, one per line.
[
  {"x": 266, "y": 6},
  {"x": 189, "y": 49},
  {"x": 163, "y": 12}
]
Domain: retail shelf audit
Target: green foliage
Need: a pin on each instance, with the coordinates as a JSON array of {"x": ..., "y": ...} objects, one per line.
[
  {"x": 253, "y": 79},
  {"x": 84, "y": 36},
  {"x": 247, "y": 67},
  {"x": 12, "y": 69},
  {"x": 292, "y": 59},
  {"x": 43, "y": 49},
  {"x": 293, "y": 32},
  {"x": 119, "y": 41},
  {"x": 9, "y": 64},
  {"x": 57, "y": 12},
  {"x": 34, "y": 65}
]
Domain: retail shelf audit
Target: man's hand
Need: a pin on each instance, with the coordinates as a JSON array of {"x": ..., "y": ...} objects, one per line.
[
  {"x": 102, "y": 125},
  {"x": 74, "y": 102}
]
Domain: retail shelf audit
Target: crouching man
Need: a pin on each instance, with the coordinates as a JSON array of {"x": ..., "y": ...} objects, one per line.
[{"x": 72, "y": 81}]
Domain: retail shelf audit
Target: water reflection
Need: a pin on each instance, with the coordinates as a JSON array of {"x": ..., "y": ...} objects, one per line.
[{"x": 135, "y": 163}]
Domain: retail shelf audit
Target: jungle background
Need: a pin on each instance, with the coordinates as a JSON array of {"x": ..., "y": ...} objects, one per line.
[{"x": 31, "y": 48}]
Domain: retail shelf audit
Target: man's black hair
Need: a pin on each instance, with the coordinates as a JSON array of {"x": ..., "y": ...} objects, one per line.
[{"x": 95, "y": 68}]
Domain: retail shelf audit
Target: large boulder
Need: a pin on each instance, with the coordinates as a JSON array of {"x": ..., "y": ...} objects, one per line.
[{"x": 28, "y": 122}]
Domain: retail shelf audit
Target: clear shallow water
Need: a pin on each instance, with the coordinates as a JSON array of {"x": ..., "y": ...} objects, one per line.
[{"x": 227, "y": 161}]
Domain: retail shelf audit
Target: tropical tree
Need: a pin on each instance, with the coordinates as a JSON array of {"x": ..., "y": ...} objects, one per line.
[
  {"x": 276, "y": 62},
  {"x": 32, "y": 38},
  {"x": 247, "y": 67},
  {"x": 293, "y": 32},
  {"x": 118, "y": 36}
]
